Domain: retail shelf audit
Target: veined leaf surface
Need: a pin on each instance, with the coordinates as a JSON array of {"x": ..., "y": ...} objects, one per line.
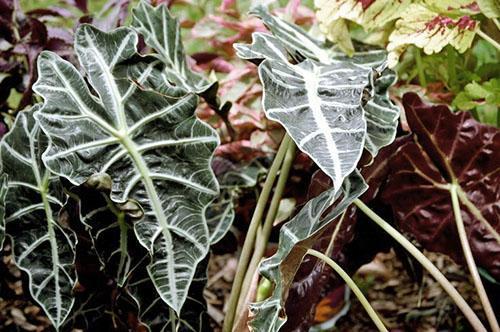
[
  {"x": 380, "y": 113},
  {"x": 332, "y": 17},
  {"x": 320, "y": 100},
  {"x": 153, "y": 313},
  {"x": 451, "y": 149},
  {"x": 299, "y": 44},
  {"x": 151, "y": 144},
  {"x": 296, "y": 237},
  {"x": 320, "y": 106},
  {"x": 162, "y": 33},
  {"x": 41, "y": 247},
  {"x": 422, "y": 26},
  {"x": 232, "y": 179}
]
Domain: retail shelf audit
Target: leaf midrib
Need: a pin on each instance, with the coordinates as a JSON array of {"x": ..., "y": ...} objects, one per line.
[
  {"x": 43, "y": 186},
  {"x": 156, "y": 205}
]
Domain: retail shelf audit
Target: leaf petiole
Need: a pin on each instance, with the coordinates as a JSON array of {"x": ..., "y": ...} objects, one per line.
[
  {"x": 246, "y": 251},
  {"x": 263, "y": 236},
  {"x": 427, "y": 264},
  {"x": 469, "y": 258},
  {"x": 352, "y": 285},
  {"x": 420, "y": 68},
  {"x": 489, "y": 39}
]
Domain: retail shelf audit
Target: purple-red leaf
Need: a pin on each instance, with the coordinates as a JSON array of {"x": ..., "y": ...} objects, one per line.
[{"x": 449, "y": 148}]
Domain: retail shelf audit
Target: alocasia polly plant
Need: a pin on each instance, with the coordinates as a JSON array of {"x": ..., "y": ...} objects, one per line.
[
  {"x": 131, "y": 122},
  {"x": 42, "y": 245},
  {"x": 156, "y": 152},
  {"x": 114, "y": 167},
  {"x": 320, "y": 100},
  {"x": 296, "y": 237},
  {"x": 324, "y": 100}
]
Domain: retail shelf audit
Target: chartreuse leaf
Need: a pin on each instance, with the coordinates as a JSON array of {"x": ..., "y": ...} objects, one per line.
[
  {"x": 41, "y": 246},
  {"x": 3, "y": 193},
  {"x": 430, "y": 30},
  {"x": 371, "y": 15},
  {"x": 162, "y": 33},
  {"x": 490, "y": 8},
  {"x": 484, "y": 98},
  {"x": 320, "y": 99},
  {"x": 155, "y": 150},
  {"x": 296, "y": 237}
]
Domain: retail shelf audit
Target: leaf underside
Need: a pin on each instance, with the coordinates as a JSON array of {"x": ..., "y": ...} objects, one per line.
[
  {"x": 139, "y": 128},
  {"x": 451, "y": 148},
  {"x": 41, "y": 246}
]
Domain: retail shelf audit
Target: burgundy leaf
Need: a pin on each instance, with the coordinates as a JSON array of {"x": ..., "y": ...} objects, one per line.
[
  {"x": 47, "y": 12},
  {"x": 449, "y": 148}
]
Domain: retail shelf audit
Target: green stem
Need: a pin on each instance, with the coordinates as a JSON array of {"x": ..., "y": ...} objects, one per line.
[
  {"x": 452, "y": 62},
  {"x": 120, "y": 218},
  {"x": 495, "y": 20},
  {"x": 427, "y": 264},
  {"x": 246, "y": 251},
  {"x": 173, "y": 318},
  {"x": 420, "y": 68},
  {"x": 263, "y": 236},
  {"x": 469, "y": 258},
  {"x": 123, "y": 247},
  {"x": 489, "y": 39},
  {"x": 352, "y": 285}
]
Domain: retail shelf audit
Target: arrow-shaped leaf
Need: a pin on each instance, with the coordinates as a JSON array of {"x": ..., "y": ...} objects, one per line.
[
  {"x": 321, "y": 100},
  {"x": 151, "y": 144},
  {"x": 380, "y": 113},
  {"x": 320, "y": 106},
  {"x": 41, "y": 246}
]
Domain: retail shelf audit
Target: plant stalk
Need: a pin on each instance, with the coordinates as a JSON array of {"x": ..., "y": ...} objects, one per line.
[
  {"x": 420, "y": 68},
  {"x": 495, "y": 20},
  {"x": 469, "y": 258},
  {"x": 263, "y": 236},
  {"x": 352, "y": 285},
  {"x": 489, "y": 39},
  {"x": 452, "y": 62},
  {"x": 173, "y": 319},
  {"x": 246, "y": 251},
  {"x": 427, "y": 264}
]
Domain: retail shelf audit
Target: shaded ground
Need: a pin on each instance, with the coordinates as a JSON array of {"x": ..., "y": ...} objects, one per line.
[{"x": 403, "y": 304}]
